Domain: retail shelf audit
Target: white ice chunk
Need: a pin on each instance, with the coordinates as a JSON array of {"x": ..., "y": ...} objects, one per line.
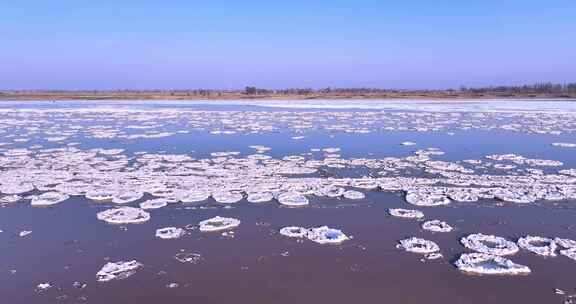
[
  {"x": 406, "y": 213},
  {"x": 326, "y": 235},
  {"x": 418, "y": 245},
  {"x": 124, "y": 215},
  {"x": 49, "y": 199},
  {"x": 168, "y": 233},
  {"x": 538, "y": 245},
  {"x": 489, "y": 244},
  {"x": 218, "y": 223},
  {"x": 292, "y": 199},
  {"x": 436, "y": 226},
  {"x": 294, "y": 232},
  {"x": 484, "y": 263},
  {"x": 117, "y": 271}
]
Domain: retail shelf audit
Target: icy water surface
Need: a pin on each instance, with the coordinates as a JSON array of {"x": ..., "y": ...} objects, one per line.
[{"x": 74, "y": 177}]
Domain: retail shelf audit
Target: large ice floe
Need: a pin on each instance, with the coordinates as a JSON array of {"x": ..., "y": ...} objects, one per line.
[
  {"x": 218, "y": 223},
  {"x": 426, "y": 197},
  {"x": 538, "y": 245},
  {"x": 436, "y": 226},
  {"x": 117, "y": 270},
  {"x": 48, "y": 199},
  {"x": 484, "y": 263},
  {"x": 489, "y": 244},
  {"x": 124, "y": 215},
  {"x": 168, "y": 233},
  {"x": 292, "y": 199},
  {"x": 406, "y": 213},
  {"x": 326, "y": 235}
]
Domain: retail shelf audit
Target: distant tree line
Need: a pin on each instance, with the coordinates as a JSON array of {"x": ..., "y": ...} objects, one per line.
[{"x": 554, "y": 89}]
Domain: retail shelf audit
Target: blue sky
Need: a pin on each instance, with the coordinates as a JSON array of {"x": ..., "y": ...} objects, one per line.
[{"x": 274, "y": 44}]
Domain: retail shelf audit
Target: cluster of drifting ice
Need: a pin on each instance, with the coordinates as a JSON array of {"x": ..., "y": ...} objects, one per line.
[
  {"x": 123, "y": 215},
  {"x": 155, "y": 203},
  {"x": 184, "y": 256},
  {"x": 538, "y": 245},
  {"x": 436, "y": 226},
  {"x": 169, "y": 233},
  {"x": 484, "y": 263},
  {"x": 320, "y": 235},
  {"x": 117, "y": 271},
  {"x": 489, "y": 244},
  {"x": 218, "y": 223},
  {"x": 406, "y": 213}
]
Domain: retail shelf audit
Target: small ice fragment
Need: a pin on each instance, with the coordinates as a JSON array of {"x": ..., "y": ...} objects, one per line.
[
  {"x": 43, "y": 286},
  {"x": 408, "y": 143},
  {"x": 188, "y": 257},
  {"x": 24, "y": 233}
]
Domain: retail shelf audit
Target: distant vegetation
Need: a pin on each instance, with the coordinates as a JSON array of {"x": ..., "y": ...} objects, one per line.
[{"x": 539, "y": 90}]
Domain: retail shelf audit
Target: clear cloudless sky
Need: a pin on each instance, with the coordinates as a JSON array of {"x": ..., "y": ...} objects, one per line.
[{"x": 145, "y": 44}]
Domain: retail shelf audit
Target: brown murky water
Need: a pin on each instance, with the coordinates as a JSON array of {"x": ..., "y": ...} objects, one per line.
[{"x": 69, "y": 244}]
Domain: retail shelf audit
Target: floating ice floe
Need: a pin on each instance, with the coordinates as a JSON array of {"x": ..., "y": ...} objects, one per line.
[
  {"x": 292, "y": 199},
  {"x": 538, "y": 245},
  {"x": 218, "y": 223},
  {"x": 168, "y": 233},
  {"x": 406, "y": 213},
  {"x": 484, "y": 263},
  {"x": 124, "y": 197},
  {"x": 43, "y": 286},
  {"x": 353, "y": 194},
  {"x": 9, "y": 199},
  {"x": 259, "y": 197},
  {"x": 326, "y": 235},
  {"x": 417, "y": 245},
  {"x": 566, "y": 243},
  {"x": 124, "y": 215},
  {"x": 226, "y": 197},
  {"x": 24, "y": 233},
  {"x": 48, "y": 199},
  {"x": 423, "y": 197},
  {"x": 436, "y": 226},
  {"x": 193, "y": 196},
  {"x": 184, "y": 256},
  {"x": 564, "y": 145},
  {"x": 489, "y": 244},
  {"x": 154, "y": 203},
  {"x": 294, "y": 232},
  {"x": 117, "y": 271},
  {"x": 408, "y": 143}
]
